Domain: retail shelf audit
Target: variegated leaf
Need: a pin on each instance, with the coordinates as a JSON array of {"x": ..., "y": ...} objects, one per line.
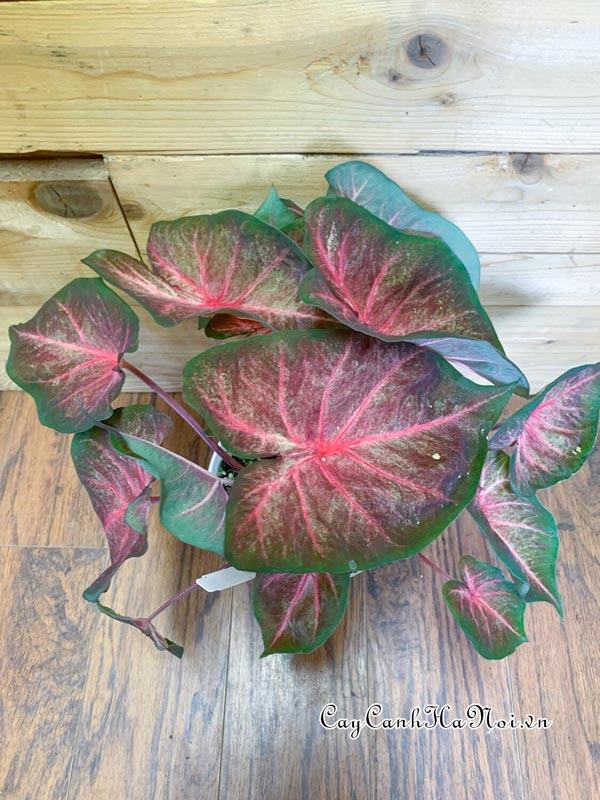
[
  {"x": 298, "y": 613},
  {"x": 521, "y": 531},
  {"x": 377, "y": 448},
  {"x": 67, "y": 356},
  {"x": 555, "y": 432},
  {"x": 487, "y": 607}
]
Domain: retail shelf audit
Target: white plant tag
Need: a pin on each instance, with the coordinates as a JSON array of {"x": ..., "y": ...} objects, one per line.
[
  {"x": 227, "y": 578},
  {"x": 224, "y": 579}
]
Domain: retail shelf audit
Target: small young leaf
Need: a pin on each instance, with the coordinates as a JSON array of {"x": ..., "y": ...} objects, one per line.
[
  {"x": 555, "y": 432},
  {"x": 67, "y": 356},
  {"x": 298, "y": 613},
  {"x": 386, "y": 283},
  {"x": 521, "y": 531},
  {"x": 147, "y": 628},
  {"x": 377, "y": 448},
  {"x": 224, "y": 326},
  {"x": 487, "y": 607},
  {"x": 200, "y": 266},
  {"x": 370, "y": 188},
  {"x": 192, "y": 500},
  {"x": 114, "y": 481},
  {"x": 277, "y": 212}
]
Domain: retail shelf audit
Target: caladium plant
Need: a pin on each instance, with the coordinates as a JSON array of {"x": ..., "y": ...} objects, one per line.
[{"x": 349, "y": 433}]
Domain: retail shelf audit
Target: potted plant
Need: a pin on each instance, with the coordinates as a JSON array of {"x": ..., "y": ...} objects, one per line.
[{"x": 349, "y": 433}]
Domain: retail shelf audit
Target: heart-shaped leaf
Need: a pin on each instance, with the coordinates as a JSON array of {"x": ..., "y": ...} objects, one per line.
[
  {"x": 67, "y": 356},
  {"x": 521, "y": 531},
  {"x": 378, "y": 447},
  {"x": 192, "y": 500},
  {"x": 371, "y": 189},
  {"x": 114, "y": 481},
  {"x": 555, "y": 432},
  {"x": 298, "y": 613},
  {"x": 386, "y": 283},
  {"x": 147, "y": 628},
  {"x": 229, "y": 261},
  {"x": 396, "y": 287},
  {"x": 224, "y": 326},
  {"x": 487, "y": 607}
]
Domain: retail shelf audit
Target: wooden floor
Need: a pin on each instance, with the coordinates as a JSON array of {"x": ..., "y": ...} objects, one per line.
[{"x": 88, "y": 709}]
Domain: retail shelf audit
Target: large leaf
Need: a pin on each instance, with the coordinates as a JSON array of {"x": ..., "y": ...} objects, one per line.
[
  {"x": 521, "y": 531},
  {"x": 229, "y": 261},
  {"x": 114, "y": 481},
  {"x": 371, "y": 189},
  {"x": 147, "y": 628},
  {"x": 67, "y": 355},
  {"x": 555, "y": 432},
  {"x": 487, "y": 607},
  {"x": 298, "y": 613},
  {"x": 378, "y": 448},
  {"x": 192, "y": 500},
  {"x": 395, "y": 286}
]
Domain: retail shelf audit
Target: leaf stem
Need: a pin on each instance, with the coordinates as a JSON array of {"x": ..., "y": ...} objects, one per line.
[
  {"x": 172, "y": 600},
  {"x": 183, "y": 413},
  {"x": 435, "y": 567}
]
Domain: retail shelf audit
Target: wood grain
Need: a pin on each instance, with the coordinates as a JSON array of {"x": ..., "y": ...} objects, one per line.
[
  {"x": 548, "y": 204},
  {"x": 38, "y": 484},
  {"x": 556, "y": 674},
  {"x": 300, "y": 76},
  {"x": 273, "y": 745},
  {"x": 151, "y": 726},
  {"x": 45, "y": 639},
  {"x": 418, "y": 656}
]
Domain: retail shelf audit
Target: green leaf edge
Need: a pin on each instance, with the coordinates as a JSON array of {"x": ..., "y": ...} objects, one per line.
[
  {"x": 320, "y": 641},
  {"x": 320, "y": 334},
  {"x": 30, "y": 387}
]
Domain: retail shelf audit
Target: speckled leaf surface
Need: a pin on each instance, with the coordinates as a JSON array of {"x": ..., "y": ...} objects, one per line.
[
  {"x": 203, "y": 265},
  {"x": 555, "y": 432},
  {"x": 377, "y": 448},
  {"x": 371, "y": 189},
  {"x": 67, "y": 356},
  {"x": 192, "y": 500},
  {"x": 114, "y": 482},
  {"x": 487, "y": 607},
  {"x": 386, "y": 283},
  {"x": 298, "y": 613},
  {"x": 521, "y": 531}
]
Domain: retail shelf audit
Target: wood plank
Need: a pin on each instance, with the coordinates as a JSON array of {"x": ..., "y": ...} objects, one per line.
[
  {"x": 41, "y": 500},
  {"x": 45, "y": 639},
  {"x": 274, "y": 746},
  {"x": 53, "y": 214},
  {"x": 556, "y": 674},
  {"x": 547, "y": 204},
  {"x": 151, "y": 726},
  {"x": 217, "y": 76},
  {"x": 418, "y": 656}
]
